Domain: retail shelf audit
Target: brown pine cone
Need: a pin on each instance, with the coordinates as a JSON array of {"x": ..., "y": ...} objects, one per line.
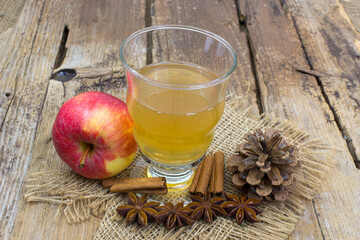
[{"x": 264, "y": 165}]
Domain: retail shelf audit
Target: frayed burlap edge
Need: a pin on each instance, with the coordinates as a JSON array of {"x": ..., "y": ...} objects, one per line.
[{"x": 79, "y": 198}]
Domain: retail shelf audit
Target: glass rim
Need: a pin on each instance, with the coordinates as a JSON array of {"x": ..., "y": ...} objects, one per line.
[{"x": 174, "y": 85}]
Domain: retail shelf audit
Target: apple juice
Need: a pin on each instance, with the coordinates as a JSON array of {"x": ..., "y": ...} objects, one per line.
[{"x": 174, "y": 126}]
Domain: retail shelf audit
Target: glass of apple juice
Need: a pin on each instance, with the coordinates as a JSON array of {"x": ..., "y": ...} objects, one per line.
[{"x": 177, "y": 78}]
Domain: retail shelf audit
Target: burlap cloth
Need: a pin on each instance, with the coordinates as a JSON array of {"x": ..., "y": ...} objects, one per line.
[
  {"x": 79, "y": 198},
  {"x": 9, "y": 13}
]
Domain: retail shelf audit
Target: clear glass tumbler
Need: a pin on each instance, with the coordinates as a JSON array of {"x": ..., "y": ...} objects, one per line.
[{"x": 177, "y": 78}]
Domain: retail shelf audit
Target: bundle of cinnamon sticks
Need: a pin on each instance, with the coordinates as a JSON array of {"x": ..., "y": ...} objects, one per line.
[
  {"x": 209, "y": 174},
  {"x": 155, "y": 185}
]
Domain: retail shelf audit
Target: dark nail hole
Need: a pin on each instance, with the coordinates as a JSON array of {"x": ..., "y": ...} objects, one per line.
[
  {"x": 7, "y": 94},
  {"x": 64, "y": 75}
]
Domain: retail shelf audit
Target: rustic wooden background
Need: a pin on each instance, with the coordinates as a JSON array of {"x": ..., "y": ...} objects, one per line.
[{"x": 299, "y": 58}]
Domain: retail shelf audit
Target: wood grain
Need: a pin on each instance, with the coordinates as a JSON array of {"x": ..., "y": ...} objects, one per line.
[
  {"x": 17, "y": 54},
  {"x": 26, "y": 66},
  {"x": 219, "y": 17},
  {"x": 96, "y": 29},
  {"x": 332, "y": 46},
  {"x": 326, "y": 106},
  {"x": 290, "y": 94}
]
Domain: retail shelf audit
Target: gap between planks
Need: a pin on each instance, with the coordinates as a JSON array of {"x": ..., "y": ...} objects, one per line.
[
  {"x": 26, "y": 65},
  {"x": 317, "y": 219},
  {"x": 241, "y": 14},
  {"x": 342, "y": 130},
  {"x": 243, "y": 20},
  {"x": 149, "y": 4}
]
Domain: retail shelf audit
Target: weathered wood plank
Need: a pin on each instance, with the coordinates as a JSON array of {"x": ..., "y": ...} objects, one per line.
[
  {"x": 290, "y": 94},
  {"x": 17, "y": 54},
  {"x": 219, "y": 17},
  {"x": 26, "y": 116},
  {"x": 26, "y": 64},
  {"x": 332, "y": 46},
  {"x": 93, "y": 52},
  {"x": 107, "y": 24}
]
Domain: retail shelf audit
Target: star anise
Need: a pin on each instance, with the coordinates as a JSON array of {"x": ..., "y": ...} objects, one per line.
[
  {"x": 170, "y": 215},
  {"x": 138, "y": 209},
  {"x": 241, "y": 207},
  {"x": 206, "y": 208}
]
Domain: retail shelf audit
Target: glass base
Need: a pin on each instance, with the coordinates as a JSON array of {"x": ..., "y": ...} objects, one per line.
[
  {"x": 178, "y": 177},
  {"x": 174, "y": 181}
]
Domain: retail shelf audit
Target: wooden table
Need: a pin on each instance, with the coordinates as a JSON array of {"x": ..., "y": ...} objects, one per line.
[{"x": 298, "y": 60}]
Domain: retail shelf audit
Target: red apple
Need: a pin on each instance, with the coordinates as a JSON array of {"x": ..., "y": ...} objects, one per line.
[{"x": 93, "y": 134}]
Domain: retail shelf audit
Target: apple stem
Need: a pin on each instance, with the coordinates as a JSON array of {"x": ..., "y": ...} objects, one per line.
[{"x": 83, "y": 157}]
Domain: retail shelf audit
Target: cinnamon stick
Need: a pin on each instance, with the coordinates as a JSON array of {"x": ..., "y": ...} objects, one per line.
[
  {"x": 107, "y": 183},
  {"x": 212, "y": 179},
  {"x": 155, "y": 185},
  {"x": 219, "y": 173},
  {"x": 205, "y": 175},
  {"x": 152, "y": 191},
  {"x": 196, "y": 178},
  {"x": 135, "y": 186}
]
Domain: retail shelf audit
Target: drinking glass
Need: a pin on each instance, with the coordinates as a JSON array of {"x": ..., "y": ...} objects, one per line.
[{"x": 177, "y": 78}]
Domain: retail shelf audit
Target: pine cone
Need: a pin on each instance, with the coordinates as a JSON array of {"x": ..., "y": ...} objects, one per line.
[{"x": 264, "y": 165}]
